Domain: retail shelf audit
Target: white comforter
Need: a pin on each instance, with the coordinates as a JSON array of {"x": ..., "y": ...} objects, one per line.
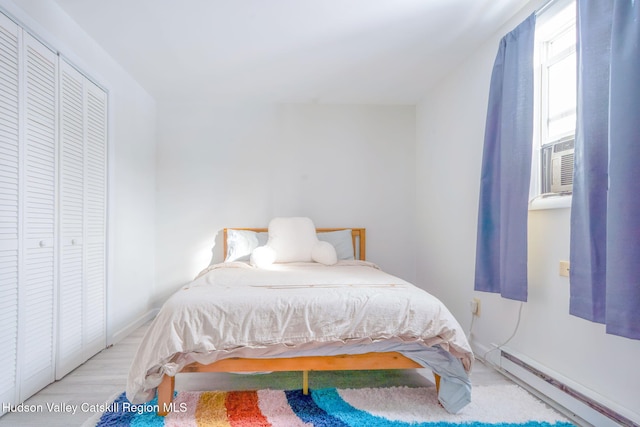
[{"x": 235, "y": 310}]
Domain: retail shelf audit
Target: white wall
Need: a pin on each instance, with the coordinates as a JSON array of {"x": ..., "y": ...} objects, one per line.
[
  {"x": 449, "y": 152},
  {"x": 241, "y": 165},
  {"x": 132, "y": 138}
]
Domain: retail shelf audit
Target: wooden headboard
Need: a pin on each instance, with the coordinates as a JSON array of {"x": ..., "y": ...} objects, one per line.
[{"x": 358, "y": 236}]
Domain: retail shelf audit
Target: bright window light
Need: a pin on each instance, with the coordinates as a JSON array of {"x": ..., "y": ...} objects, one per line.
[{"x": 555, "y": 101}]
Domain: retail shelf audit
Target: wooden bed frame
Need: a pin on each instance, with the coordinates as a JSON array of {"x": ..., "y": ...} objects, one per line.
[{"x": 368, "y": 361}]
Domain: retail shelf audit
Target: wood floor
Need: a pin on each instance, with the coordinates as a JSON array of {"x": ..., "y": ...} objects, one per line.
[{"x": 105, "y": 375}]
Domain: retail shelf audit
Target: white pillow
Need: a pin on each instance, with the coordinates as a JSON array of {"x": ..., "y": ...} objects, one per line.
[
  {"x": 292, "y": 239},
  {"x": 324, "y": 253},
  {"x": 263, "y": 257}
]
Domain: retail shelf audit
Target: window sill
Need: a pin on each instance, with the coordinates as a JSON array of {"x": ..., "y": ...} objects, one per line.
[{"x": 551, "y": 202}]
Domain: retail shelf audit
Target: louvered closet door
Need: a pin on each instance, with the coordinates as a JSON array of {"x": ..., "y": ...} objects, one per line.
[
  {"x": 37, "y": 274},
  {"x": 72, "y": 183},
  {"x": 95, "y": 219},
  {"x": 82, "y": 219},
  {"x": 9, "y": 202}
]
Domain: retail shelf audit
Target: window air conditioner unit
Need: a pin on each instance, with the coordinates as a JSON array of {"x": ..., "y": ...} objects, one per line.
[{"x": 557, "y": 167}]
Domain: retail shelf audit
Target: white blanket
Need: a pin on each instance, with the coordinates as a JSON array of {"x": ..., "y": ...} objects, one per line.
[{"x": 235, "y": 310}]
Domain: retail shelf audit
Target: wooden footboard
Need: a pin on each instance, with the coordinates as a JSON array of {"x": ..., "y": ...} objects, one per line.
[{"x": 372, "y": 361}]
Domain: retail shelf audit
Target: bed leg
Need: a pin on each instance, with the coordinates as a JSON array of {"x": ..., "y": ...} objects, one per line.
[
  {"x": 437, "y": 378},
  {"x": 165, "y": 394},
  {"x": 305, "y": 382}
]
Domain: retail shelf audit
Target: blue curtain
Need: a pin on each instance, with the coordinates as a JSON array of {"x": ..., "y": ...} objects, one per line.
[
  {"x": 501, "y": 248},
  {"x": 605, "y": 211}
]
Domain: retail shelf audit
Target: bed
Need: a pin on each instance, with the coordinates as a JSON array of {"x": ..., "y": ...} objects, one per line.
[{"x": 300, "y": 316}]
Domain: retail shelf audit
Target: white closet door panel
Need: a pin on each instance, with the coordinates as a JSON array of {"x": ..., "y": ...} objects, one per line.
[
  {"x": 71, "y": 322},
  {"x": 71, "y": 190},
  {"x": 37, "y": 279},
  {"x": 8, "y": 323},
  {"x": 95, "y": 303},
  {"x": 9, "y": 204},
  {"x": 40, "y": 140},
  {"x": 96, "y": 145},
  {"x": 71, "y": 150},
  {"x": 38, "y": 291},
  {"x": 36, "y": 330},
  {"x": 96, "y": 204},
  {"x": 9, "y": 134}
]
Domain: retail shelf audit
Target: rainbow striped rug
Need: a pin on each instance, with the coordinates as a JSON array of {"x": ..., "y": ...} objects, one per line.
[{"x": 503, "y": 405}]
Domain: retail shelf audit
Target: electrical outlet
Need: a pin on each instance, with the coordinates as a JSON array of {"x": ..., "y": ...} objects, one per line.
[
  {"x": 564, "y": 268},
  {"x": 474, "y": 306}
]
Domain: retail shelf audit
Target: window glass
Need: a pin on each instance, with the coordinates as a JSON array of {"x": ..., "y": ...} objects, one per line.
[
  {"x": 562, "y": 87},
  {"x": 555, "y": 81}
]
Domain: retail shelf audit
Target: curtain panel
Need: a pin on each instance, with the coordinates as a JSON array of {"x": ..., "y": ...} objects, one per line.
[
  {"x": 605, "y": 210},
  {"x": 501, "y": 248}
]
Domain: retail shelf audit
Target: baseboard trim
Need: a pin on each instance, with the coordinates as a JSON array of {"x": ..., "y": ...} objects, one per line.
[
  {"x": 127, "y": 330},
  {"x": 581, "y": 405}
]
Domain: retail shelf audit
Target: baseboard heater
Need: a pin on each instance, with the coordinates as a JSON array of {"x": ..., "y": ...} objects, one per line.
[{"x": 569, "y": 391}]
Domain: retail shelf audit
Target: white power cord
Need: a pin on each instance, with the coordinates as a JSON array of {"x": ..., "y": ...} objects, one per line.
[
  {"x": 473, "y": 317},
  {"x": 484, "y": 356}
]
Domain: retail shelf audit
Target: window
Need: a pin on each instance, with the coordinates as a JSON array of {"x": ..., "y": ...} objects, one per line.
[{"x": 555, "y": 102}]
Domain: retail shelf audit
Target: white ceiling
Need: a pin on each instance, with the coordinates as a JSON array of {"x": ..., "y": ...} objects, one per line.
[{"x": 345, "y": 51}]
